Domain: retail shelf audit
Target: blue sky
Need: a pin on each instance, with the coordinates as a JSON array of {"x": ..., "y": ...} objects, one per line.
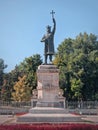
[{"x": 23, "y": 23}]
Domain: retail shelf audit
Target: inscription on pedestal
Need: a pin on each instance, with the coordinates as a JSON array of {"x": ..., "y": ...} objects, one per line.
[{"x": 48, "y": 80}]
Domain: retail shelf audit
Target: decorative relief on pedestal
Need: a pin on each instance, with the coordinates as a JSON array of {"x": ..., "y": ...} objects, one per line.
[
  {"x": 39, "y": 85},
  {"x": 60, "y": 93},
  {"x": 35, "y": 93}
]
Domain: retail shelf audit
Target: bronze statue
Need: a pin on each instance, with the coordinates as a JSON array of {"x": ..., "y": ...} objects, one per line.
[{"x": 48, "y": 39}]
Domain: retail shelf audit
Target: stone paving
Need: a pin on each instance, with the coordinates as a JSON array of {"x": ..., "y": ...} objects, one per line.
[
  {"x": 91, "y": 118},
  {"x": 9, "y": 119},
  {"x": 6, "y": 119}
]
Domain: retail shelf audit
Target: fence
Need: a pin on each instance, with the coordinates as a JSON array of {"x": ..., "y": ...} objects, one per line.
[
  {"x": 14, "y": 107},
  {"x": 82, "y": 105},
  {"x": 86, "y": 107},
  {"x": 69, "y": 105},
  {"x": 15, "y": 104}
]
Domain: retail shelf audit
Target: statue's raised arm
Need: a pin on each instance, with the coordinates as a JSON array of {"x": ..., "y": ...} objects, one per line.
[{"x": 54, "y": 26}]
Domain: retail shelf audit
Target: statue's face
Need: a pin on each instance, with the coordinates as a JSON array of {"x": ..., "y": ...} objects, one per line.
[{"x": 48, "y": 29}]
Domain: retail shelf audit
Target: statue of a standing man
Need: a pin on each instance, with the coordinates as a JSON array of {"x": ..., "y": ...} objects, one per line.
[{"x": 48, "y": 39}]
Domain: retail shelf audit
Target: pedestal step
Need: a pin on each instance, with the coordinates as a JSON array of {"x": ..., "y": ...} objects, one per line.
[
  {"x": 48, "y": 114},
  {"x": 48, "y": 110},
  {"x": 49, "y": 104},
  {"x": 47, "y": 118}
]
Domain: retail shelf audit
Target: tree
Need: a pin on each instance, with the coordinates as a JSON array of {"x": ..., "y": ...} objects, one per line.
[
  {"x": 22, "y": 92},
  {"x": 77, "y": 60},
  {"x": 63, "y": 61},
  {"x": 86, "y": 64},
  {"x": 9, "y": 80},
  {"x": 28, "y": 67},
  {"x": 5, "y": 91},
  {"x": 2, "y": 67}
]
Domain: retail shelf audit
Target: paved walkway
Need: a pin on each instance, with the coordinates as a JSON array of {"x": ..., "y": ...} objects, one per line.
[
  {"x": 6, "y": 119},
  {"x": 91, "y": 118},
  {"x": 9, "y": 119}
]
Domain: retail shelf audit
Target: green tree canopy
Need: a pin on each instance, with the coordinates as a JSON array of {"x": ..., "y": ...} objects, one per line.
[
  {"x": 28, "y": 67},
  {"x": 2, "y": 67},
  {"x": 77, "y": 60}
]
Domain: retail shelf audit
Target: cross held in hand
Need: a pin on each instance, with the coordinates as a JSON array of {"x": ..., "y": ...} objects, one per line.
[{"x": 52, "y": 13}]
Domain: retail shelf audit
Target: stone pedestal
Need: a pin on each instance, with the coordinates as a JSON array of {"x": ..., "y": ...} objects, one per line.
[
  {"x": 47, "y": 101},
  {"x": 48, "y": 93}
]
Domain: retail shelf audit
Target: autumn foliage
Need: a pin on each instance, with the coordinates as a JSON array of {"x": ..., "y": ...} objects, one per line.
[{"x": 22, "y": 92}]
